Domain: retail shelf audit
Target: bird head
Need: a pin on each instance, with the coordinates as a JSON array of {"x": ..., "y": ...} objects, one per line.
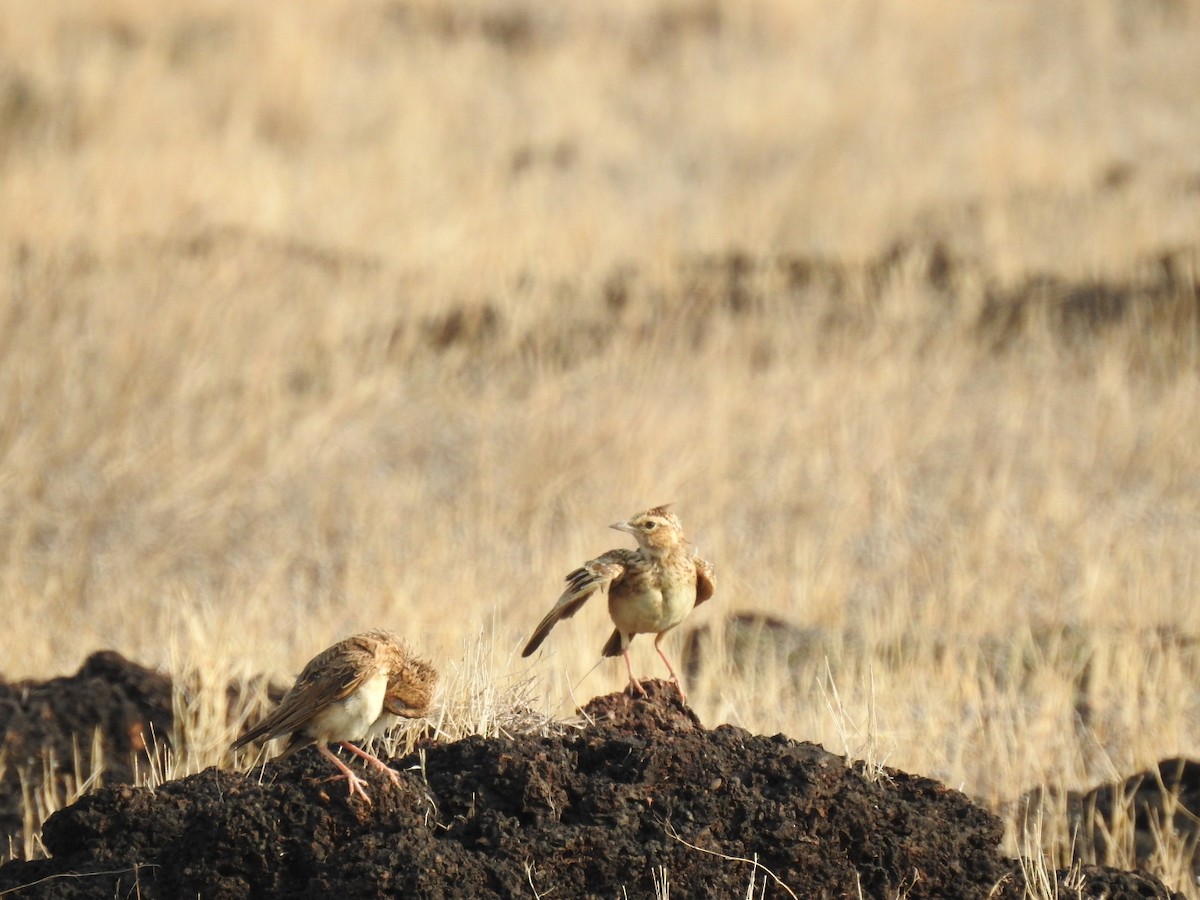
[
  {"x": 410, "y": 689},
  {"x": 656, "y": 530}
]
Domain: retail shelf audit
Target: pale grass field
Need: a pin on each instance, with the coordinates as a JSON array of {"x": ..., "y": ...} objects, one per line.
[{"x": 229, "y": 234}]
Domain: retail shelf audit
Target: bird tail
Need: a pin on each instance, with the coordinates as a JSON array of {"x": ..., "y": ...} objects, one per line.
[
  {"x": 613, "y": 647},
  {"x": 298, "y": 741}
]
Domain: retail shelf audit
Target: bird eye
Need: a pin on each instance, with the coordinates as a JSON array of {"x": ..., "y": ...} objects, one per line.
[{"x": 650, "y": 526}]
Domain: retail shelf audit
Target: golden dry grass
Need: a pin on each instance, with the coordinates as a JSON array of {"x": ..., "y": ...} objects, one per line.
[{"x": 340, "y": 315}]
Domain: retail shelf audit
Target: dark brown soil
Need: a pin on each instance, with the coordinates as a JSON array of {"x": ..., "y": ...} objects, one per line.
[
  {"x": 1158, "y": 801},
  {"x": 129, "y": 704},
  {"x": 642, "y": 791}
]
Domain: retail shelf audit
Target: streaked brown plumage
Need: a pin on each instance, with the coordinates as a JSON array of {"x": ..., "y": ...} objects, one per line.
[
  {"x": 409, "y": 695},
  {"x": 650, "y": 590},
  {"x": 344, "y": 694}
]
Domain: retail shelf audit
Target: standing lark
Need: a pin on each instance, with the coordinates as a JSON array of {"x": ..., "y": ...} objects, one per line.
[
  {"x": 650, "y": 589},
  {"x": 352, "y": 690}
]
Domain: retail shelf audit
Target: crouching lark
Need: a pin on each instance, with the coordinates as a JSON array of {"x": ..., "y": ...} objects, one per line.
[
  {"x": 356, "y": 689},
  {"x": 650, "y": 590}
]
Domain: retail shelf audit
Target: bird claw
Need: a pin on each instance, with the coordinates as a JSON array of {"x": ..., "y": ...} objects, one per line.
[
  {"x": 392, "y": 774},
  {"x": 682, "y": 692}
]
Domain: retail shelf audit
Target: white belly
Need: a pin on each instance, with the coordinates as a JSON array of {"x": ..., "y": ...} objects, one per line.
[{"x": 351, "y": 718}]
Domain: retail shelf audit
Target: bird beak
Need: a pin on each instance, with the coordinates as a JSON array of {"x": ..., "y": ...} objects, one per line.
[{"x": 622, "y": 526}]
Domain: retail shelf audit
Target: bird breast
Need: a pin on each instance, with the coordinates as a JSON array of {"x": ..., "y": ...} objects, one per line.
[{"x": 653, "y": 600}]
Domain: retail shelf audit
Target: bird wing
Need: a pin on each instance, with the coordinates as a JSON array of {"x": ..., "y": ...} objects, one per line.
[
  {"x": 705, "y": 580},
  {"x": 592, "y": 577},
  {"x": 330, "y": 676}
]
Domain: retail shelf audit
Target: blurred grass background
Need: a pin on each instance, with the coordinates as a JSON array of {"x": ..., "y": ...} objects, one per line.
[{"x": 338, "y": 315}]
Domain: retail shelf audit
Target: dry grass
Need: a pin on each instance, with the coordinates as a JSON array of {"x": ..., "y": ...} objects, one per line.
[{"x": 323, "y": 317}]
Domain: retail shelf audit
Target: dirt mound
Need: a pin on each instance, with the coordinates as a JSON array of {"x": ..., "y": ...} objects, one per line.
[
  {"x": 1136, "y": 813},
  {"x": 105, "y": 722},
  {"x": 129, "y": 704},
  {"x": 640, "y": 794}
]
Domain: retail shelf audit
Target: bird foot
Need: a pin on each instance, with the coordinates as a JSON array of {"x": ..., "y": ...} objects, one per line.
[
  {"x": 635, "y": 685},
  {"x": 357, "y": 786},
  {"x": 392, "y": 774},
  {"x": 375, "y": 761}
]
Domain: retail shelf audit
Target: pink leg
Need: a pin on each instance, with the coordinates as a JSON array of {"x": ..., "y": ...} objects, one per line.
[
  {"x": 634, "y": 684},
  {"x": 373, "y": 760},
  {"x": 356, "y": 783},
  {"x": 670, "y": 668}
]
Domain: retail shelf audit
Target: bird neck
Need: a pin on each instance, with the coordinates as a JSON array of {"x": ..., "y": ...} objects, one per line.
[{"x": 660, "y": 553}]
